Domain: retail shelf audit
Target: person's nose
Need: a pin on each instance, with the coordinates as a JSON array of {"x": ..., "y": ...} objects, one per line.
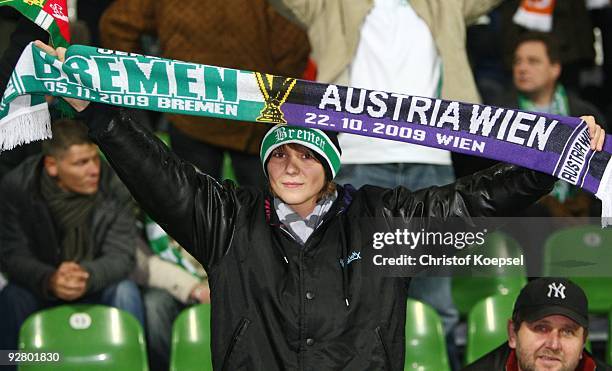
[
  {"x": 521, "y": 67},
  {"x": 292, "y": 166},
  {"x": 553, "y": 341},
  {"x": 93, "y": 169}
]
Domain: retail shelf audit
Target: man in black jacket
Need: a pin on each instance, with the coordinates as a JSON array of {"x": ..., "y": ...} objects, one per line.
[
  {"x": 289, "y": 289},
  {"x": 548, "y": 331},
  {"x": 67, "y": 232}
]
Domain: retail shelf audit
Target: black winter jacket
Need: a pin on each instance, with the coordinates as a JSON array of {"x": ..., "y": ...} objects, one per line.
[
  {"x": 29, "y": 242},
  {"x": 276, "y": 306}
]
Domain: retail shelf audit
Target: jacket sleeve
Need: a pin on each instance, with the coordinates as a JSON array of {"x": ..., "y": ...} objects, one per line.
[
  {"x": 473, "y": 9},
  {"x": 16, "y": 257},
  {"x": 501, "y": 190},
  {"x": 195, "y": 209},
  {"x": 124, "y": 22},
  {"x": 172, "y": 278},
  {"x": 117, "y": 257},
  {"x": 153, "y": 271}
]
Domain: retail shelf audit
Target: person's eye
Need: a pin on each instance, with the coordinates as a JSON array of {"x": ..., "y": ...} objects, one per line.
[
  {"x": 308, "y": 156},
  {"x": 278, "y": 154},
  {"x": 541, "y": 328},
  {"x": 568, "y": 332}
]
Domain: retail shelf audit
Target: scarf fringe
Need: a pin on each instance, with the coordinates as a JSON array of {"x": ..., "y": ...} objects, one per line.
[
  {"x": 27, "y": 125},
  {"x": 604, "y": 193},
  {"x": 533, "y": 21}
]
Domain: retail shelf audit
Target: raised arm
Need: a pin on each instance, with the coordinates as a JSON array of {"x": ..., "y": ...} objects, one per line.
[
  {"x": 192, "y": 207},
  {"x": 498, "y": 191},
  {"x": 501, "y": 190}
]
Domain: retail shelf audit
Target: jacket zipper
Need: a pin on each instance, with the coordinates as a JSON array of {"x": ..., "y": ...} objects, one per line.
[
  {"x": 382, "y": 343},
  {"x": 240, "y": 330}
]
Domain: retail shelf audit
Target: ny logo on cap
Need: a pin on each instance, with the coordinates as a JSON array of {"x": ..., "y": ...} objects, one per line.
[{"x": 558, "y": 290}]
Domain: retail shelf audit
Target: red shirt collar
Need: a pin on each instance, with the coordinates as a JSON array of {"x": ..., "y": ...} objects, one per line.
[{"x": 586, "y": 364}]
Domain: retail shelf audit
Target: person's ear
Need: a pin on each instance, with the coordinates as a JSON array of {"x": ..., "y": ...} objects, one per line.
[
  {"x": 556, "y": 70},
  {"x": 511, "y": 334},
  {"x": 50, "y": 164}
]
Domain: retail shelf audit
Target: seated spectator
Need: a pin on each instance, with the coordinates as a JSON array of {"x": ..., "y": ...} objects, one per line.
[
  {"x": 548, "y": 331},
  {"x": 536, "y": 70},
  {"x": 169, "y": 286},
  {"x": 67, "y": 232}
]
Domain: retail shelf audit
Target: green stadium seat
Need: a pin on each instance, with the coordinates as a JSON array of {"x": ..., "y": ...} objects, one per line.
[
  {"x": 425, "y": 342},
  {"x": 584, "y": 255},
  {"x": 87, "y": 337},
  {"x": 487, "y": 325},
  {"x": 609, "y": 346},
  {"x": 191, "y": 340},
  {"x": 467, "y": 291}
]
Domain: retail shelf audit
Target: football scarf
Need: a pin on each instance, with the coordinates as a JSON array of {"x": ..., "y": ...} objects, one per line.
[{"x": 549, "y": 143}]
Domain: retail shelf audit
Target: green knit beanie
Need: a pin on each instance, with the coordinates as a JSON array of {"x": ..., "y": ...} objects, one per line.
[{"x": 323, "y": 144}]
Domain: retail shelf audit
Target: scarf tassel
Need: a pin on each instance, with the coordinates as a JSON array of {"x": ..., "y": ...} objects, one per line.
[{"x": 25, "y": 126}]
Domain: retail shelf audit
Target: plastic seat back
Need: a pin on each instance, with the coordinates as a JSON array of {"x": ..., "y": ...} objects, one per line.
[
  {"x": 488, "y": 281},
  {"x": 87, "y": 337},
  {"x": 425, "y": 341},
  {"x": 191, "y": 340},
  {"x": 609, "y": 345},
  {"x": 487, "y": 325},
  {"x": 584, "y": 255}
]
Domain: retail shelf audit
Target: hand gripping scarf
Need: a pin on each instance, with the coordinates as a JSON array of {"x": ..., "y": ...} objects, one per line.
[{"x": 548, "y": 143}]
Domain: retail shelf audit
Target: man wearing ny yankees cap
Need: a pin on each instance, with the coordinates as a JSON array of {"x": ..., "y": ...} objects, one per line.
[{"x": 548, "y": 331}]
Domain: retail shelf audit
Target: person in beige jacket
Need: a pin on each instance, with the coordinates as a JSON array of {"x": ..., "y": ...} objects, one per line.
[
  {"x": 167, "y": 289},
  {"x": 414, "y": 47},
  {"x": 334, "y": 27}
]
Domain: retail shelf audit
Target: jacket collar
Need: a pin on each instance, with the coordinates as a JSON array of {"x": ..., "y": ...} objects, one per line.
[{"x": 342, "y": 202}]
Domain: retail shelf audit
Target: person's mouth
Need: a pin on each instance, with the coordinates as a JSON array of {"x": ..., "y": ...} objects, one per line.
[
  {"x": 292, "y": 185},
  {"x": 549, "y": 359}
]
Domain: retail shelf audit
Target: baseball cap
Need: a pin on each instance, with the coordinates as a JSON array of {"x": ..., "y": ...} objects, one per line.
[{"x": 550, "y": 296}]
